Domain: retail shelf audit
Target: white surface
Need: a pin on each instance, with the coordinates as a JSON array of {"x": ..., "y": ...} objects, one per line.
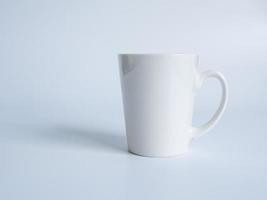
[
  {"x": 41, "y": 159},
  {"x": 61, "y": 124}
]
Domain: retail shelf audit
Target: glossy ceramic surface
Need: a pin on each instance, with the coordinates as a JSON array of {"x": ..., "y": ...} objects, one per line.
[{"x": 158, "y": 96}]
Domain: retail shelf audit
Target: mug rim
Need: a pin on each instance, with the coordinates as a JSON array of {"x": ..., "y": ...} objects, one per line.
[{"x": 158, "y": 54}]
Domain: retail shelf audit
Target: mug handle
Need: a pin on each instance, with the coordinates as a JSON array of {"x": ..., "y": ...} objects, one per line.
[{"x": 196, "y": 132}]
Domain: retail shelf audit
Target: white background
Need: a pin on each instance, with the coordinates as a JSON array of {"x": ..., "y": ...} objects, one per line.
[{"x": 61, "y": 121}]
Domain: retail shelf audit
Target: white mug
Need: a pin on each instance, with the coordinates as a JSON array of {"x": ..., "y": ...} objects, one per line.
[{"x": 158, "y": 96}]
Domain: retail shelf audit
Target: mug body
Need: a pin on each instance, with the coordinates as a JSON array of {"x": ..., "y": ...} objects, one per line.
[{"x": 158, "y": 97}]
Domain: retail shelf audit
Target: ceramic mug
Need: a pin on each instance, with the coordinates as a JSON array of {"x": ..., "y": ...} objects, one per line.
[{"x": 158, "y": 96}]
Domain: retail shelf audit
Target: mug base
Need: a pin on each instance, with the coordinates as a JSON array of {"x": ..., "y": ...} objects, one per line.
[{"x": 151, "y": 155}]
